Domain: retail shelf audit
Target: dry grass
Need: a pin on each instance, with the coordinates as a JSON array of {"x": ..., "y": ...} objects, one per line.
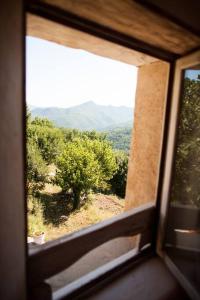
[{"x": 58, "y": 219}]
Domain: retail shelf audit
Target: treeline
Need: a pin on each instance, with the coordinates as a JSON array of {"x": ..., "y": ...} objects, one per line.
[
  {"x": 120, "y": 138},
  {"x": 84, "y": 161}
]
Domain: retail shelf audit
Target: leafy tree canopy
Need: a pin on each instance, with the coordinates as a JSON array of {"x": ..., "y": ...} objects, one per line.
[
  {"x": 48, "y": 138},
  {"x": 84, "y": 165},
  {"x": 187, "y": 165},
  {"x": 36, "y": 168},
  {"x": 85, "y": 159},
  {"x": 118, "y": 181}
]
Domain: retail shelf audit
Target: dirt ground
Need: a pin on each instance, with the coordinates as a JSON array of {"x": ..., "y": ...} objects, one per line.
[
  {"x": 108, "y": 203},
  {"x": 59, "y": 219},
  {"x": 101, "y": 208}
]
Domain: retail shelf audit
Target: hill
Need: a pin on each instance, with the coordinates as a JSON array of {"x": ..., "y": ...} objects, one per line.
[
  {"x": 123, "y": 125},
  {"x": 86, "y": 116},
  {"x": 120, "y": 138}
]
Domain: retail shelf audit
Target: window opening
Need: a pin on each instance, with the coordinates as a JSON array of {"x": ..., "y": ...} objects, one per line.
[
  {"x": 79, "y": 122},
  {"x": 142, "y": 181}
]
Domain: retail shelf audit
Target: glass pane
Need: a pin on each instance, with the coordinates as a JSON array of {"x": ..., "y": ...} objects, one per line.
[{"x": 183, "y": 230}]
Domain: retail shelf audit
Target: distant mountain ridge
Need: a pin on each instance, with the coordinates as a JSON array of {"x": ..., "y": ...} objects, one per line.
[{"x": 86, "y": 116}]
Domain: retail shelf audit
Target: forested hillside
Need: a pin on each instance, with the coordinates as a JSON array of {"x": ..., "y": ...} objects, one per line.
[
  {"x": 120, "y": 138},
  {"x": 75, "y": 163},
  {"x": 87, "y": 116}
]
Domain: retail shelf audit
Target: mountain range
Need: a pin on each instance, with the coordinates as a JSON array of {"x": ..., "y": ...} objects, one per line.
[{"x": 87, "y": 116}]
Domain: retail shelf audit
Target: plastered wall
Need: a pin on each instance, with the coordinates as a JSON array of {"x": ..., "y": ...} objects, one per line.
[
  {"x": 66, "y": 36},
  {"x": 147, "y": 134}
]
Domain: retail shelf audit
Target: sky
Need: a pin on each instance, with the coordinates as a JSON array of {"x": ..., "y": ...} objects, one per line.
[
  {"x": 192, "y": 74},
  {"x": 63, "y": 77}
]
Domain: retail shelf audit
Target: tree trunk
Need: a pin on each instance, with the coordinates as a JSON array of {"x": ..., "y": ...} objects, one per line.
[{"x": 76, "y": 199}]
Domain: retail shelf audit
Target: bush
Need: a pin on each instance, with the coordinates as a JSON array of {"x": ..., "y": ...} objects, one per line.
[
  {"x": 48, "y": 138},
  {"x": 85, "y": 165},
  {"x": 36, "y": 168},
  {"x": 118, "y": 181},
  {"x": 35, "y": 216}
]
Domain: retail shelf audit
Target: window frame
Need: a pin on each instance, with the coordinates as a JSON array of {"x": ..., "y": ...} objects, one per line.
[
  {"x": 13, "y": 39},
  {"x": 67, "y": 19},
  {"x": 20, "y": 155},
  {"x": 181, "y": 64},
  {"x": 147, "y": 236}
]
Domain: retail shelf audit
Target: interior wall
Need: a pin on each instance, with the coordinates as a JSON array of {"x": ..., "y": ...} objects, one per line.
[
  {"x": 147, "y": 134},
  {"x": 134, "y": 20},
  {"x": 12, "y": 210}
]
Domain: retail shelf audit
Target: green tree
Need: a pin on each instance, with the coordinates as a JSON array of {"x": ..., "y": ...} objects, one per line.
[
  {"x": 94, "y": 135},
  {"x": 118, "y": 181},
  {"x": 48, "y": 138},
  {"x": 42, "y": 122},
  {"x": 105, "y": 156},
  {"x": 120, "y": 138},
  {"x": 85, "y": 165},
  {"x": 187, "y": 164},
  {"x": 36, "y": 169},
  {"x": 70, "y": 134}
]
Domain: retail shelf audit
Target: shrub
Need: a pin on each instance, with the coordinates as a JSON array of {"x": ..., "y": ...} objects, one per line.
[
  {"x": 35, "y": 216},
  {"x": 85, "y": 165},
  {"x": 36, "y": 168},
  {"x": 118, "y": 181}
]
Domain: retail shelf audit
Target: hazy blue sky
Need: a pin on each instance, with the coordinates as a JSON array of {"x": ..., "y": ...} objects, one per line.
[
  {"x": 192, "y": 74},
  {"x": 63, "y": 77}
]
